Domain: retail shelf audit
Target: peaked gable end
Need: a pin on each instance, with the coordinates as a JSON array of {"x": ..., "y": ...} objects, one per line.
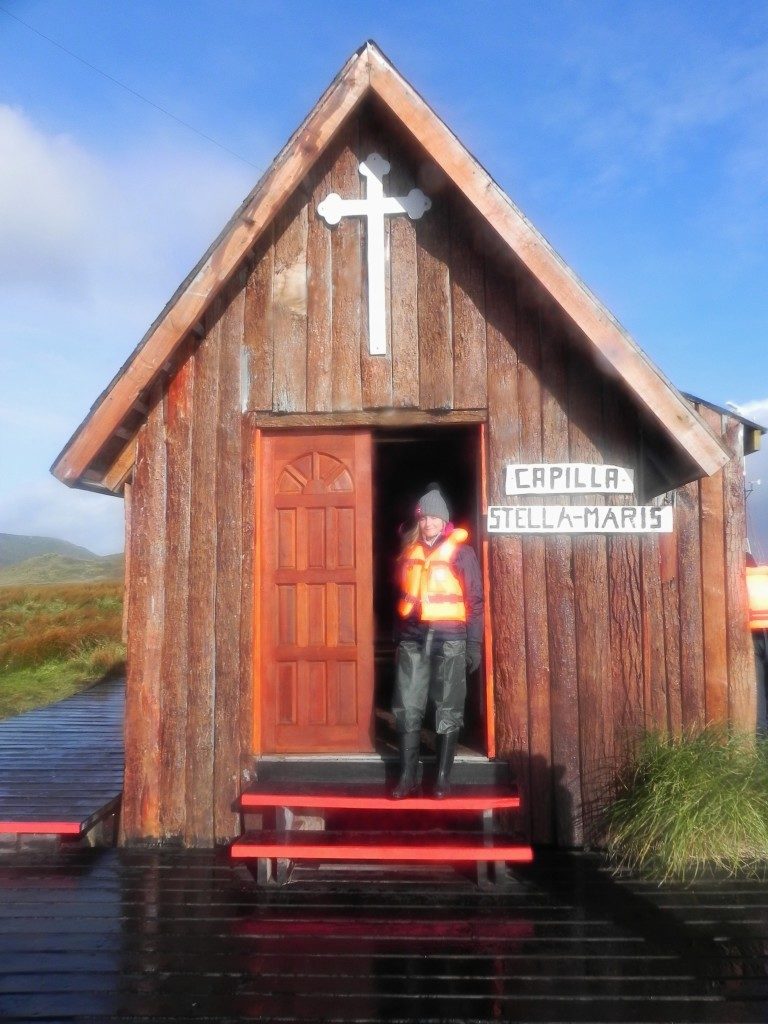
[{"x": 268, "y": 207}]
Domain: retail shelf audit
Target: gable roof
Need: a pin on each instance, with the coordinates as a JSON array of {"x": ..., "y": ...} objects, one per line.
[
  {"x": 753, "y": 431},
  {"x": 369, "y": 72}
]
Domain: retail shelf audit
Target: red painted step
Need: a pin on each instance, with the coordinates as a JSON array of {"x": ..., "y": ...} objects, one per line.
[
  {"x": 380, "y": 846},
  {"x": 371, "y": 798},
  {"x": 41, "y": 828}
]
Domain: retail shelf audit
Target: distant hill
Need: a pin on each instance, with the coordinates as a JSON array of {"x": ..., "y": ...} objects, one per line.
[
  {"x": 15, "y": 548},
  {"x": 58, "y": 568}
]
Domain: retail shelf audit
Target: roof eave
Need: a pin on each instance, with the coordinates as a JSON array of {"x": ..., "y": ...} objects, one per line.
[{"x": 193, "y": 297}]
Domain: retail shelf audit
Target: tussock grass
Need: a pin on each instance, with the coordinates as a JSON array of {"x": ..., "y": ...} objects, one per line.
[
  {"x": 56, "y": 640},
  {"x": 692, "y": 805}
]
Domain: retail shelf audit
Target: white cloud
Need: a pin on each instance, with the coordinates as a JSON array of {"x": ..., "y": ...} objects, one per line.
[
  {"x": 46, "y": 182},
  {"x": 624, "y": 112},
  {"x": 756, "y": 410},
  {"x": 91, "y": 248},
  {"x": 46, "y": 508},
  {"x": 110, "y": 232}
]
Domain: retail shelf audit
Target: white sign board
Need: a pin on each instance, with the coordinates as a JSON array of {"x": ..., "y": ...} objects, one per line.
[
  {"x": 579, "y": 519},
  {"x": 567, "y": 478}
]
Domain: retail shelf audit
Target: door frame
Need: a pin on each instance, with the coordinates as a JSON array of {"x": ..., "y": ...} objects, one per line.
[
  {"x": 339, "y": 737},
  {"x": 326, "y": 422}
]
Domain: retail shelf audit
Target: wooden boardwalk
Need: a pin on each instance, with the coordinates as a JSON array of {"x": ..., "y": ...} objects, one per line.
[
  {"x": 61, "y": 766},
  {"x": 92, "y": 935}
]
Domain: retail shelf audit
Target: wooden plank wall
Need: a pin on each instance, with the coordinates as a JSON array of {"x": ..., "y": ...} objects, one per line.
[
  {"x": 595, "y": 638},
  {"x": 189, "y": 598},
  {"x": 306, "y": 326},
  {"x": 598, "y": 638}
]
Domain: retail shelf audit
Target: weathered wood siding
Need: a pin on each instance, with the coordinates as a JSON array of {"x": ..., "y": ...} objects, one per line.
[
  {"x": 188, "y": 711},
  {"x": 307, "y": 327},
  {"x": 595, "y": 638}
]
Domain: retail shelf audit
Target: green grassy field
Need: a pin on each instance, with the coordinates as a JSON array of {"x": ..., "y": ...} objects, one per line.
[{"x": 56, "y": 640}]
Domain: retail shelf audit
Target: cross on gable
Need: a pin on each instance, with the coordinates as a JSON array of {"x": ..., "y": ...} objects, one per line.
[{"x": 375, "y": 207}]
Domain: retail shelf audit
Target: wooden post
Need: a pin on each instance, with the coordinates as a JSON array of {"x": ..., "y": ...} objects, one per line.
[
  {"x": 229, "y": 510},
  {"x": 691, "y": 620},
  {"x": 468, "y": 317},
  {"x": 175, "y": 656},
  {"x": 202, "y": 591},
  {"x": 713, "y": 586},
  {"x": 434, "y": 312},
  {"x": 346, "y": 248},
  {"x": 742, "y": 691},
  {"x": 535, "y": 577},
  {"x": 506, "y": 561},
  {"x": 590, "y": 577},
  {"x": 561, "y": 612}
]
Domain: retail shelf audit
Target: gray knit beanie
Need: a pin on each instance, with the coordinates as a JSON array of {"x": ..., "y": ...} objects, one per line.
[{"x": 433, "y": 504}]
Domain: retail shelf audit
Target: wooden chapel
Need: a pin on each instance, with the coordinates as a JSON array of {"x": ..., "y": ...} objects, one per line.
[{"x": 267, "y": 445}]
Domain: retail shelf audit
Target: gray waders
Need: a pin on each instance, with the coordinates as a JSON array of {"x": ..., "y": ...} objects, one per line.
[{"x": 437, "y": 670}]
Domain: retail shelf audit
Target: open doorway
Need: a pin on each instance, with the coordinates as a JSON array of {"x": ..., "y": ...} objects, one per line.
[{"x": 404, "y": 462}]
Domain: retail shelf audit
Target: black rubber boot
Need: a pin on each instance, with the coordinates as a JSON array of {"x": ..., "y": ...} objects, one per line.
[
  {"x": 409, "y": 765},
  {"x": 446, "y": 748}
]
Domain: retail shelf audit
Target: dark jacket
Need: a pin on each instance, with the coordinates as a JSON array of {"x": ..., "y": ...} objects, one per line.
[{"x": 467, "y": 568}]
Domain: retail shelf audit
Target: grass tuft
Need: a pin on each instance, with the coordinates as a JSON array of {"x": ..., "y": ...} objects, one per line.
[{"x": 692, "y": 805}]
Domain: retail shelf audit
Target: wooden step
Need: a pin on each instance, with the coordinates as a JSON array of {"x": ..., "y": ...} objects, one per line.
[
  {"x": 30, "y": 825},
  {"x": 371, "y": 798},
  {"x": 381, "y": 846},
  {"x": 373, "y": 770}
]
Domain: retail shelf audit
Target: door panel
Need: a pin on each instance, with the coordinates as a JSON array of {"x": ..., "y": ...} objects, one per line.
[{"x": 317, "y": 606}]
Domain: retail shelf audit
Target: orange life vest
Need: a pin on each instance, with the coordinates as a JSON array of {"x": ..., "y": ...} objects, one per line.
[
  {"x": 757, "y": 591},
  {"x": 429, "y": 581}
]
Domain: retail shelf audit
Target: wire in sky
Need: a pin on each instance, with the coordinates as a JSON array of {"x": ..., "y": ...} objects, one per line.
[{"x": 127, "y": 88}]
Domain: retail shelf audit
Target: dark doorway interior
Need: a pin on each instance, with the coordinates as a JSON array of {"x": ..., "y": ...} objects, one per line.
[{"x": 405, "y": 462}]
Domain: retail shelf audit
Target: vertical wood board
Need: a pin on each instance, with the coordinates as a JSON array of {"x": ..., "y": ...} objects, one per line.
[
  {"x": 506, "y": 557},
  {"x": 692, "y": 677},
  {"x": 624, "y": 582},
  {"x": 258, "y": 325},
  {"x": 561, "y": 613},
  {"x": 346, "y": 249},
  {"x": 289, "y": 311},
  {"x": 742, "y": 706},
  {"x": 434, "y": 308},
  {"x": 403, "y": 291},
  {"x": 174, "y": 658},
  {"x": 199, "y": 825},
  {"x": 534, "y": 577},
  {"x": 138, "y": 582},
  {"x": 320, "y": 292},
  {"x": 713, "y": 586},
  {"x": 228, "y": 508},
  {"x": 591, "y": 598},
  {"x": 468, "y": 317},
  {"x": 155, "y": 525}
]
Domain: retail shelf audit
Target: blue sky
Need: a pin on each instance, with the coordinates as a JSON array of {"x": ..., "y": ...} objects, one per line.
[{"x": 634, "y": 136}]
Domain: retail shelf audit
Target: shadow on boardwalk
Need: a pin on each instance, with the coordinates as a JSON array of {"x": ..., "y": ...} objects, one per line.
[{"x": 100, "y": 935}]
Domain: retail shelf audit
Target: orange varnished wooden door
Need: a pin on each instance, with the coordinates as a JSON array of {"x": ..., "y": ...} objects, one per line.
[{"x": 316, "y": 600}]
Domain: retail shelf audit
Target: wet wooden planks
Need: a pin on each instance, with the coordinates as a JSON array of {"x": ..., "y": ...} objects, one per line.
[
  {"x": 129, "y": 935},
  {"x": 63, "y": 764}
]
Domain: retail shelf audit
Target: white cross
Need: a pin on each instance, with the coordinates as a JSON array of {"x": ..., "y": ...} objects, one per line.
[{"x": 375, "y": 207}]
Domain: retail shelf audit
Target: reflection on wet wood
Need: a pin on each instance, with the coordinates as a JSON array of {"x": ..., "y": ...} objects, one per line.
[{"x": 183, "y": 935}]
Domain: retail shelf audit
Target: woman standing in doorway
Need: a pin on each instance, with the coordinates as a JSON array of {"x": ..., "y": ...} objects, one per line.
[{"x": 440, "y": 630}]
